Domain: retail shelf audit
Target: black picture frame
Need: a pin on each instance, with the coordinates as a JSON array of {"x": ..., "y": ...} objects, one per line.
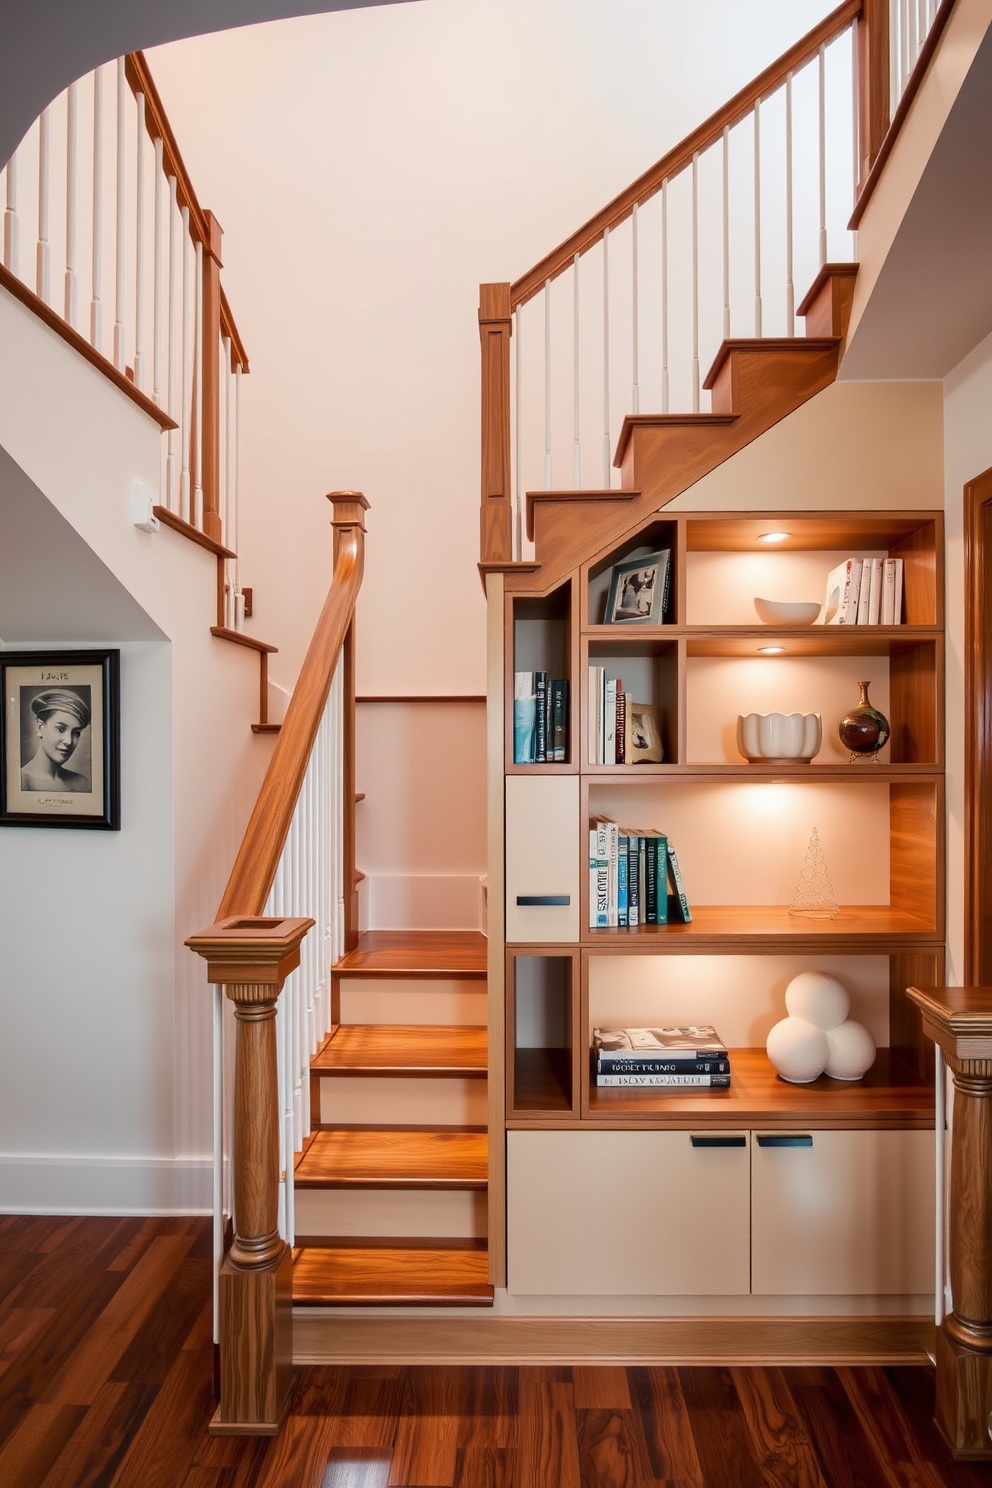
[
  {"x": 639, "y": 589},
  {"x": 76, "y": 746}
]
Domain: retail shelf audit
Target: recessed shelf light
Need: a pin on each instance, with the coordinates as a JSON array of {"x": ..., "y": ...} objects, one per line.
[
  {"x": 770, "y": 650},
  {"x": 774, "y": 537}
]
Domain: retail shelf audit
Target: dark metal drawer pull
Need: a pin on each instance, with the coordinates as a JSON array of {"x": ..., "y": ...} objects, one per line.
[
  {"x": 539, "y": 900},
  {"x": 786, "y": 1140},
  {"x": 718, "y": 1141}
]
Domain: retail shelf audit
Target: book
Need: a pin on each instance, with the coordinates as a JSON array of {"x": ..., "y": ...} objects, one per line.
[
  {"x": 559, "y": 720},
  {"x": 540, "y": 717},
  {"x": 678, "y": 904},
  {"x": 656, "y": 879},
  {"x": 622, "y": 888},
  {"x": 524, "y": 718},
  {"x": 864, "y": 592},
  {"x": 697, "y": 1039},
  {"x": 599, "y": 872},
  {"x": 597, "y": 676},
  {"x": 875, "y": 595},
  {"x": 634, "y": 844},
  {"x": 888, "y": 591},
  {"x": 629, "y": 1065},
  {"x": 619, "y": 755},
  {"x": 897, "y": 596},
  {"x": 666, "y": 1081},
  {"x": 610, "y": 722},
  {"x": 843, "y": 587}
]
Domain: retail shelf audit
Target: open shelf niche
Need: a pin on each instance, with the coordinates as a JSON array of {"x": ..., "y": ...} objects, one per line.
[
  {"x": 542, "y": 1077},
  {"x": 541, "y": 637}
]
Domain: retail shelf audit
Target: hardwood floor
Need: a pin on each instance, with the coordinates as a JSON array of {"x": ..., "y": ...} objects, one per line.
[{"x": 106, "y": 1382}]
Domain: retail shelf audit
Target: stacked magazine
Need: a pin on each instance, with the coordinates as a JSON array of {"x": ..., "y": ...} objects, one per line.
[{"x": 673, "y": 1058}]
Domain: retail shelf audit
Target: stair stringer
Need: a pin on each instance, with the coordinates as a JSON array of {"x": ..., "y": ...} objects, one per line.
[{"x": 662, "y": 455}]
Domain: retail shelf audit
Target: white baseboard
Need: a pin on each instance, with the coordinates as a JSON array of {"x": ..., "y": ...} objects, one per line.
[
  {"x": 424, "y": 901},
  {"x": 35, "y": 1183}
]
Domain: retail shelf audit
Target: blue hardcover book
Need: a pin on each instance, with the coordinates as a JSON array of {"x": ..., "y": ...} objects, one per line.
[
  {"x": 524, "y": 718},
  {"x": 622, "y": 881}
]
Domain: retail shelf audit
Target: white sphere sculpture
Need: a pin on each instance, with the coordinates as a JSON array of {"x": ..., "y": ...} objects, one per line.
[
  {"x": 822, "y": 1000},
  {"x": 798, "y": 1050},
  {"x": 851, "y": 1051}
]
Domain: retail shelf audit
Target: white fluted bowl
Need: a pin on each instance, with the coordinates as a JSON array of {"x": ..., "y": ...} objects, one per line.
[
  {"x": 779, "y": 738},
  {"x": 786, "y": 611}
]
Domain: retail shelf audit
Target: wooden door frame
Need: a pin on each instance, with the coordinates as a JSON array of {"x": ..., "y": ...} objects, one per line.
[{"x": 978, "y": 732}]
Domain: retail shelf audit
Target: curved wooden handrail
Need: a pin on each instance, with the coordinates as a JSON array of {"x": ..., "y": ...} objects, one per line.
[
  {"x": 258, "y": 857},
  {"x": 679, "y": 158}
]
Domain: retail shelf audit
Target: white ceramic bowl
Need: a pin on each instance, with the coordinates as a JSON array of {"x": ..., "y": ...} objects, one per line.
[
  {"x": 779, "y": 738},
  {"x": 786, "y": 612}
]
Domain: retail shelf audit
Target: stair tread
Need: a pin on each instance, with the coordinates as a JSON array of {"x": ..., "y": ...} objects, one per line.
[
  {"x": 394, "y": 1157},
  {"x": 416, "y": 953},
  {"x": 422, "y": 1049},
  {"x": 391, "y": 1274}
]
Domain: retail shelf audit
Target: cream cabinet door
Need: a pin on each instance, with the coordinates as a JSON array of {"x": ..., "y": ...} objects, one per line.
[
  {"x": 603, "y": 1213},
  {"x": 542, "y": 858},
  {"x": 842, "y": 1213}
]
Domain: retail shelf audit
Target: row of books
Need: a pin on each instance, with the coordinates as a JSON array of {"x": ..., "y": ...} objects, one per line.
[
  {"x": 540, "y": 719},
  {"x": 667, "y": 1058},
  {"x": 621, "y": 731},
  {"x": 864, "y": 591},
  {"x": 634, "y": 878}
]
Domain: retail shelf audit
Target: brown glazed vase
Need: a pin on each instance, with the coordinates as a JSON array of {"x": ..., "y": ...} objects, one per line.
[{"x": 864, "y": 731}]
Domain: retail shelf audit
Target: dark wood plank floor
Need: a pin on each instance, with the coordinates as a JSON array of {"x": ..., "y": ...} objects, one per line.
[{"x": 105, "y": 1382}]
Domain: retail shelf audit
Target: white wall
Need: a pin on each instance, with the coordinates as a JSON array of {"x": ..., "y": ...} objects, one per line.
[{"x": 370, "y": 169}]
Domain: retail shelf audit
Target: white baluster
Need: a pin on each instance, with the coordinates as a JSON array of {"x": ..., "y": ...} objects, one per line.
[
  {"x": 518, "y": 414},
  {"x": 43, "y": 270},
  {"x": 170, "y": 461},
  {"x": 821, "y": 75},
  {"x": 547, "y": 384},
  {"x": 940, "y": 1138},
  {"x": 11, "y": 225},
  {"x": 695, "y": 282},
  {"x": 726, "y": 232},
  {"x": 664, "y": 296},
  {"x": 218, "y": 1149},
  {"x": 157, "y": 179},
  {"x": 228, "y": 480},
  {"x": 576, "y": 405},
  {"x": 855, "y": 127},
  {"x": 139, "y": 246},
  {"x": 893, "y": 55},
  {"x": 197, "y": 409},
  {"x": 635, "y": 392},
  {"x": 96, "y": 289},
  {"x": 913, "y": 36},
  {"x": 239, "y": 599},
  {"x": 185, "y": 430},
  {"x": 757, "y": 217},
  {"x": 790, "y": 284},
  {"x": 607, "y": 474},
  {"x": 119, "y": 351},
  {"x": 71, "y": 116}
]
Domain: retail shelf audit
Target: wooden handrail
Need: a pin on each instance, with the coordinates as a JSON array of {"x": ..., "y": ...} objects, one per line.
[
  {"x": 258, "y": 857},
  {"x": 679, "y": 158}
]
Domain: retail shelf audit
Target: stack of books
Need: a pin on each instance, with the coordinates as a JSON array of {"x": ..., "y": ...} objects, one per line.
[
  {"x": 540, "y": 719},
  {"x": 634, "y": 878},
  {"x": 621, "y": 732},
  {"x": 671, "y": 1058},
  {"x": 864, "y": 591}
]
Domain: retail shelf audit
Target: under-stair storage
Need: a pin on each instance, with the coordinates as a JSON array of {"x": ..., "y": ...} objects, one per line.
[{"x": 542, "y": 1049}]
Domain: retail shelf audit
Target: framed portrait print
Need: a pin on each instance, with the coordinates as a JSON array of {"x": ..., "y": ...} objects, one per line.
[
  {"x": 60, "y": 739},
  {"x": 639, "y": 590}
]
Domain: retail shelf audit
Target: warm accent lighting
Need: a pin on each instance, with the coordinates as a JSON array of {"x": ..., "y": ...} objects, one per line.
[
  {"x": 773, "y": 537},
  {"x": 770, "y": 650}
]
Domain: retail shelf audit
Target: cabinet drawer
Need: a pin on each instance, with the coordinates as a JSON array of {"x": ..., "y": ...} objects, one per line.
[
  {"x": 852, "y": 1212},
  {"x": 542, "y": 858},
  {"x": 627, "y": 1214}
]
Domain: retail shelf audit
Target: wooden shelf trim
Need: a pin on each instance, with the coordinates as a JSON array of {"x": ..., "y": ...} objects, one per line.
[
  {"x": 679, "y": 158},
  {"x": 239, "y": 638},
  {"x": 186, "y": 529},
  {"x": 730, "y": 925}
]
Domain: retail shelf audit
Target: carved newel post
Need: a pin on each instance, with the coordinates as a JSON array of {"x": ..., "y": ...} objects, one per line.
[
  {"x": 251, "y": 957},
  {"x": 959, "y": 1021}
]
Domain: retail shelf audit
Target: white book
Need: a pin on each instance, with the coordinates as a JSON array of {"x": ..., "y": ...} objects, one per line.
[
  {"x": 864, "y": 591},
  {"x": 889, "y": 591},
  {"x": 610, "y": 722},
  {"x": 875, "y": 598},
  {"x": 897, "y": 597},
  {"x": 843, "y": 584},
  {"x": 613, "y": 837},
  {"x": 595, "y": 704}
]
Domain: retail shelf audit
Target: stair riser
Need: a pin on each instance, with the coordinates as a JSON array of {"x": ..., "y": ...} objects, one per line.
[
  {"x": 456, "y": 1216},
  {"x": 375, "y": 1101},
  {"x": 384, "y": 1001}
]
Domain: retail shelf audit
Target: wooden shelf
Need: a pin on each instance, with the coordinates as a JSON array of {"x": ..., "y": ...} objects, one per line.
[
  {"x": 542, "y": 1080},
  {"x": 860, "y": 772},
  {"x": 809, "y": 640},
  {"x": 731, "y": 532},
  {"x": 732, "y": 925},
  {"x": 890, "y": 1095}
]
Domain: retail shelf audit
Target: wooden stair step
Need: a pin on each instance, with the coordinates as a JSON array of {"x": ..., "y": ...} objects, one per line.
[
  {"x": 415, "y": 1049},
  {"x": 416, "y": 953},
  {"x": 394, "y": 1157},
  {"x": 389, "y": 1273},
  {"x": 607, "y": 494}
]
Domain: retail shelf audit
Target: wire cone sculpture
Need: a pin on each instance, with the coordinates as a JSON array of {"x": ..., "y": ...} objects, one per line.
[{"x": 814, "y": 896}]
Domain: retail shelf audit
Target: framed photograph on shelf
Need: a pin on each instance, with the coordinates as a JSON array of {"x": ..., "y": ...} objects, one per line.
[
  {"x": 642, "y": 736},
  {"x": 60, "y": 739},
  {"x": 639, "y": 590}
]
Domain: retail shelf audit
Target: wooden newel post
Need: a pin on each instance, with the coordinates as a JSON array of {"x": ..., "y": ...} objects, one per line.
[
  {"x": 496, "y": 516},
  {"x": 348, "y": 522},
  {"x": 251, "y": 957},
  {"x": 959, "y": 1021}
]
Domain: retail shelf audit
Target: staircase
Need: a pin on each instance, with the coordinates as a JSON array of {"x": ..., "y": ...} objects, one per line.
[{"x": 391, "y": 1184}]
